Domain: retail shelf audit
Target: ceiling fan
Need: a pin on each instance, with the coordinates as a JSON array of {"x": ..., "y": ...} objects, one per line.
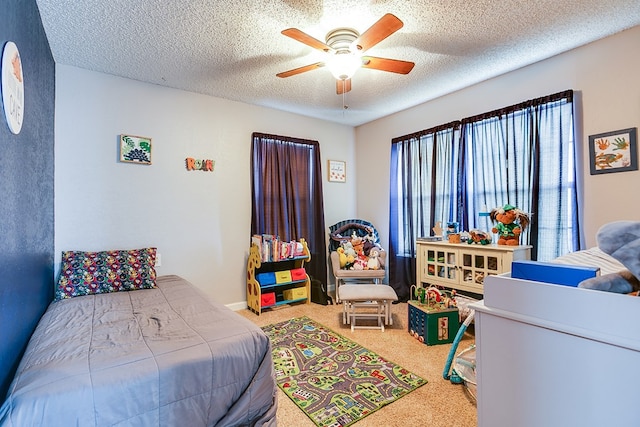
[{"x": 345, "y": 48}]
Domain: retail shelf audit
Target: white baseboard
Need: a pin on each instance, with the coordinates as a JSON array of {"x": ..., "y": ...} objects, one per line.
[{"x": 236, "y": 306}]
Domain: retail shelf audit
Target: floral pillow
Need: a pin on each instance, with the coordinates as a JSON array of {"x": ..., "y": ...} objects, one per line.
[{"x": 87, "y": 273}]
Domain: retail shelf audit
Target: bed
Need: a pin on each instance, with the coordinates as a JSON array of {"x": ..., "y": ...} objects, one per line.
[
  {"x": 592, "y": 257},
  {"x": 164, "y": 356}
]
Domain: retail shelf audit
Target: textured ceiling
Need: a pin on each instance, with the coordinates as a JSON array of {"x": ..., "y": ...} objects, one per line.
[{"x": 234, "y": 49}]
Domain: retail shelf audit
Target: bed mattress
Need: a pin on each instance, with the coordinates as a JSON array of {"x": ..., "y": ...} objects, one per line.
[
  {"x": 592, "y": 257},
  {"x": 152, "y": 357}
]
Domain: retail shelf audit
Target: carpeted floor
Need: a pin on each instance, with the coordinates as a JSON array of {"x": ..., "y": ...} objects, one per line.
[{"x": 436, "y": 404}]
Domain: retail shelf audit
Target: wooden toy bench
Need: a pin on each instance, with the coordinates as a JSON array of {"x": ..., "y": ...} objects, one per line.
[{"x": 367, "y": 297}]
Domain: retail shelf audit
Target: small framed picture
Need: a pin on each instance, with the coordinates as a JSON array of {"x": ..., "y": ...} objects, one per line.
[
  {"x": 615, "y": 151},
  {"x": 135, "y": 149},
  {"x": 337, "y": 171}
]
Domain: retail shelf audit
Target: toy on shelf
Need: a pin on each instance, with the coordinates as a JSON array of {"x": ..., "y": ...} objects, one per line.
[
  {"x": 510, "y": 223},
  {"x": 479, "y": 237},
  {"x": 437, "y": 230}
]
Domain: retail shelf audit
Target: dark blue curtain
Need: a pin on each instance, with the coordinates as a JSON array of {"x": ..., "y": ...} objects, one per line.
[
  {"x": 523, "y": 155},
  {"x": 423, "y": 192},
  {"x": 287, "y": 195}
]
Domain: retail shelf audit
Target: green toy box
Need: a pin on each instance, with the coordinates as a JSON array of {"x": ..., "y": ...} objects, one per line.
[{"x": 433, "y": 325}]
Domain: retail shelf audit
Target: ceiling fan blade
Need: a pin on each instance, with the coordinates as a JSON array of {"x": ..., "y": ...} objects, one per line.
[
  {"x": 386, "y": 64},
  {"x": 379, "y": 31},
  {"x": 305, "y": 38},
  {"x": 300, "y": 70},
  {"x": 343, "y": 86}
]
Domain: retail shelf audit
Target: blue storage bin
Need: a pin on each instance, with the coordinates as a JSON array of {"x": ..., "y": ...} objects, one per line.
[
  {"x": 266, "y": 278},
  {"x": 557, "y": 274}
]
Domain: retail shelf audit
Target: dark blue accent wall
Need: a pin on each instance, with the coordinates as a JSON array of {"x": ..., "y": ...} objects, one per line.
[{"x": 26, "y": 190}]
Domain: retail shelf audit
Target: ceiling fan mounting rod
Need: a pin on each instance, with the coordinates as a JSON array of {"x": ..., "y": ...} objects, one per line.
[{"x": 340, "y": 39}]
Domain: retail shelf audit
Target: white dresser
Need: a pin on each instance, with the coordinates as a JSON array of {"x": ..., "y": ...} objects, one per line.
[{"x": 464, "y": 266}]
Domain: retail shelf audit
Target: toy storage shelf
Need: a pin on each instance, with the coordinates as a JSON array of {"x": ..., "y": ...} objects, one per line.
[
  {"x": 285, "y": 289},
  {"x": 464, "y": 266}
]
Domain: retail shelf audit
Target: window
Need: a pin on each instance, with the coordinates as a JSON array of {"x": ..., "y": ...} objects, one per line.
[
  {"x": 424, "y": 167},
  {"x": 523, "y": 155}
]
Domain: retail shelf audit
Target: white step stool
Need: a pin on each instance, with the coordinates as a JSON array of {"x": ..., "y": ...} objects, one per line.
[{"x": 379, "y": 297}]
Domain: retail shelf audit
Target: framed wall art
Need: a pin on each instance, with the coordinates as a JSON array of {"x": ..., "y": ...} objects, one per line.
[
  {"x": 337, "y": 171},
  {"x": 615, "y": 151},
  {"x": 12, "y": 87},
  {"x": 135, "y": 149}
]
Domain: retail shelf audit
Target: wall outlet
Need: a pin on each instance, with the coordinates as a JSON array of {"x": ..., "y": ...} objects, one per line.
[{"x": 158, "y": 260}]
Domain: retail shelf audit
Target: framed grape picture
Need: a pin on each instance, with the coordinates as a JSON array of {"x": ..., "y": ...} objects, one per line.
[{"x": 135, "y": 149}]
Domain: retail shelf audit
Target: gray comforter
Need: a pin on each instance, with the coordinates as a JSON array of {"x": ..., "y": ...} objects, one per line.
[{"x": 155, "y": 357}]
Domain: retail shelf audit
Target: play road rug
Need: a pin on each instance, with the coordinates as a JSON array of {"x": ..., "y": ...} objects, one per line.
[{"x": 334, "y": 380}]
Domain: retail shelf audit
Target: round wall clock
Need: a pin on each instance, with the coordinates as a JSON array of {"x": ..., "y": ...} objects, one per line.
[{"x": 12, "y": 87}]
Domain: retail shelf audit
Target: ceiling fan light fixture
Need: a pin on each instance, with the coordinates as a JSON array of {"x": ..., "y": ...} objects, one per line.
[
  {"x": 345, "y": 48},
  {"x": 344, "y": 64}
]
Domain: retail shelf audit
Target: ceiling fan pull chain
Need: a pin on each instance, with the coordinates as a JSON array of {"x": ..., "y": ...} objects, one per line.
[{"x": 344, "y": 96}]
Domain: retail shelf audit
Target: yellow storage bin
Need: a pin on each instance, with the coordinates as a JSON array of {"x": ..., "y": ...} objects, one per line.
[
  {"x": 283, "y": 276},
  {"x": 295, "y": 293}
]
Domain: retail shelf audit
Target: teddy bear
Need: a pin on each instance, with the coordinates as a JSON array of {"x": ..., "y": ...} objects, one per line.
[
  {"x": 510, "y": 222},
  {"x": 621, "y": 240}
]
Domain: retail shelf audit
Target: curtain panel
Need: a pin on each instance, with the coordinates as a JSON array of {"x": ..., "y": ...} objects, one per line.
[
  {"x": 286, "y": 188},
  {"x": 423, "y": 191}
]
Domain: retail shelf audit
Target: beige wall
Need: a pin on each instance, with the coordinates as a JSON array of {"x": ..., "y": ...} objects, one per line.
[
  {"x": 200, "y": 222},
  {"x": 606, "y": 79}
]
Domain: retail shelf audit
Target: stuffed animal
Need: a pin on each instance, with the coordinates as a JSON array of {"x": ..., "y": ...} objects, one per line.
[
  {"x": 621, "y": 240},
  {"x": 350, "y": 255},
  {"x": 373, "y": 263},
  {"x": 511, "y": 221},
  {"x": 342, "y": 257},
  {"x": 359, "y": 264},
  {"x": 368, "y": 244},
  {"x": 350, "y": 261},
  {"x": 358, "y": 244},
  {"x": 348, "y": 250},
  {"x": 479, "y": 236}
]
